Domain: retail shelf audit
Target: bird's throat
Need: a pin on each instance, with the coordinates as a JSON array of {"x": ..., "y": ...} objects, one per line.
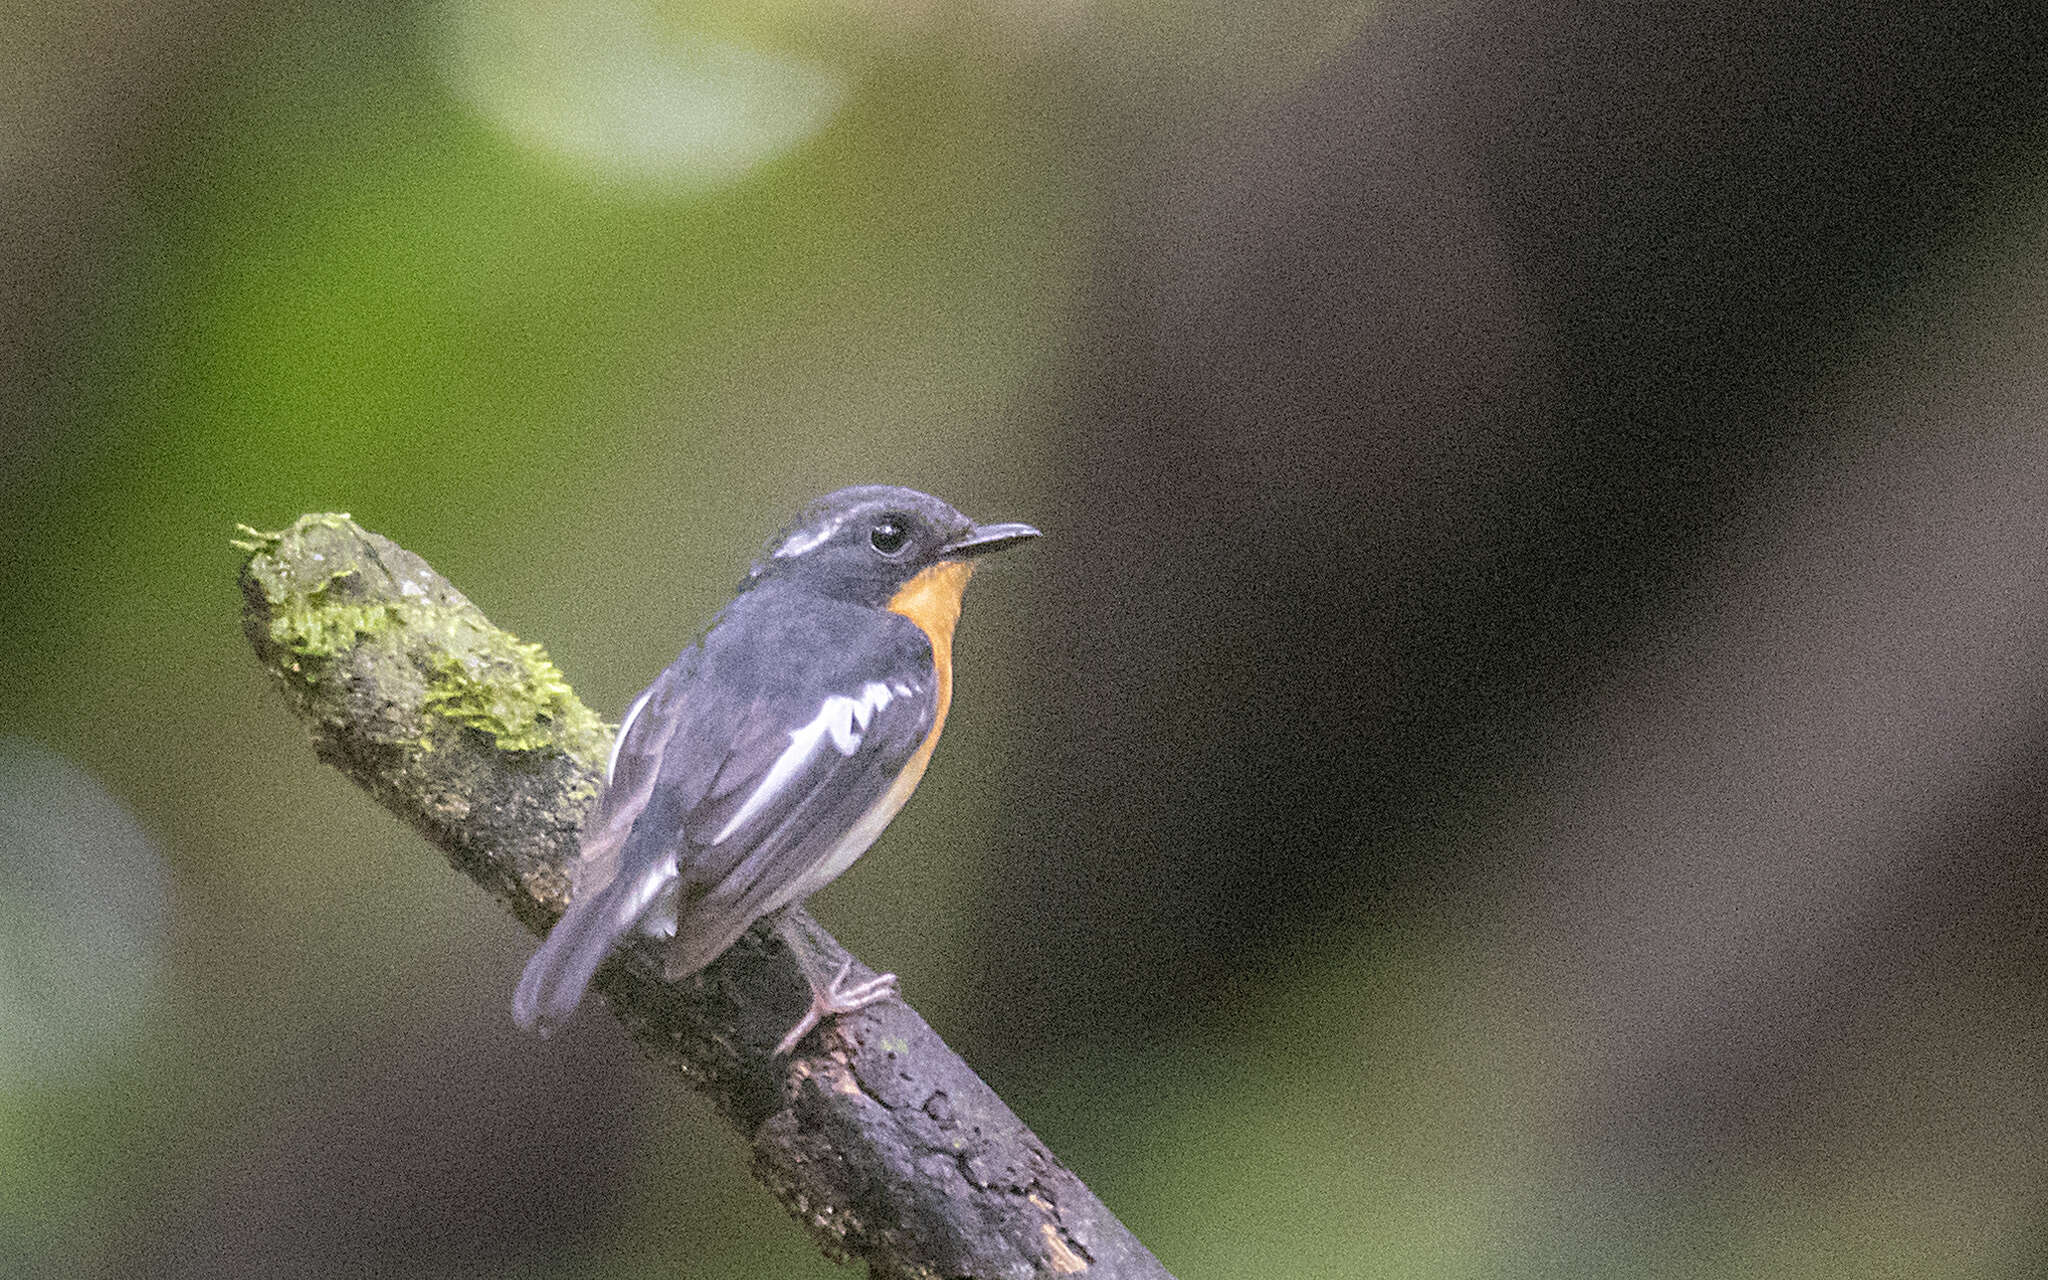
[{"x": 932, "y": 601}]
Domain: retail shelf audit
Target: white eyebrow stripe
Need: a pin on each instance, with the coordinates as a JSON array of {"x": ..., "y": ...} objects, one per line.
[
  {"x": 844, "y": 718},
  {"x": 804, "y": 539},
  {"x": 611, "y": 766}
]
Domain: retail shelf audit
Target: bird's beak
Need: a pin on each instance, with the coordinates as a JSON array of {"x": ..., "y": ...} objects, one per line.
[{"x": 984, "y": 538}]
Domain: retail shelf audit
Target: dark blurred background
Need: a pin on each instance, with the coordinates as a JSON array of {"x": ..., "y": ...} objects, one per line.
[{"x": 1521, "y": 755}]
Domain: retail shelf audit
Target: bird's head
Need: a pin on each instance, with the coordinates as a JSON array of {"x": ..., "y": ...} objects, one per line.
[{"x": 870, "y": 543}]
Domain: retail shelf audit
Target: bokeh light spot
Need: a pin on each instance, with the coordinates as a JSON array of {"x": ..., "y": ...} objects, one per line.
[
  {"x": 83, "y": 907},
  {"x": 610, "y": 91}
]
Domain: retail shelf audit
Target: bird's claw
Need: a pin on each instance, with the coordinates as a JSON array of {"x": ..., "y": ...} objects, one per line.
[{"x": 835, "y": 999}]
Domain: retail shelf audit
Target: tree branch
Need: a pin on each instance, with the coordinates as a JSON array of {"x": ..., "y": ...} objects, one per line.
[{"x": 881, "y": 1141}]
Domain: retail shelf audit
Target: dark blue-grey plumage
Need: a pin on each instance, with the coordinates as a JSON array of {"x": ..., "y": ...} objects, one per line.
[{"x": 699, "y": 748}]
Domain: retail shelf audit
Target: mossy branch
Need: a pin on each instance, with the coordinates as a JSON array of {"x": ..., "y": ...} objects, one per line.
[{"x": 879, "y": 1140}]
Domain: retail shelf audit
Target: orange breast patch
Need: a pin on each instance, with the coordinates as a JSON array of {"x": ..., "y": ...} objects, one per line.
[{"x": 932, "y": 601}]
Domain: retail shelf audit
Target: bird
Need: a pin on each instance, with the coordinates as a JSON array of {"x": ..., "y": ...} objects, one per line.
[{"x": 767, "y": 758}]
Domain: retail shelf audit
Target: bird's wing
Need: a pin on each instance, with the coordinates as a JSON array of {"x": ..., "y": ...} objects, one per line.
[
  {"x": 631, "y": 775},
  {"x": 744, "y": 792},
  {"x": 790, "y": 806},
  {"x": 608, "y": 897}
]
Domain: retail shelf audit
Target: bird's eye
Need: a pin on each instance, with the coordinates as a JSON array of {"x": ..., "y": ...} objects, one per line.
[{"x": 890, "y": 535}]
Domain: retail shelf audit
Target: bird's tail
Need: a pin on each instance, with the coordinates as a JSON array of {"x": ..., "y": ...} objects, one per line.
[{"x": 560, "y": 972}]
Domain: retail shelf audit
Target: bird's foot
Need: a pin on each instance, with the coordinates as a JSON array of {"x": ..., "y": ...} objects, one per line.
[{"x": 835, "y": 999}]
